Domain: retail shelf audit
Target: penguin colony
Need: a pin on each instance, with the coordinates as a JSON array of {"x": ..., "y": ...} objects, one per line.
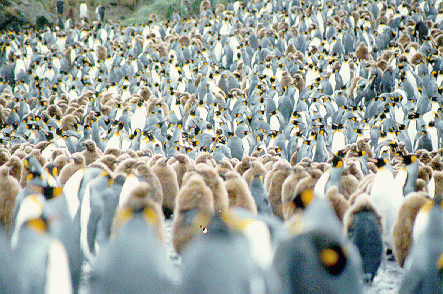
[{"x": 293, "y": 145}]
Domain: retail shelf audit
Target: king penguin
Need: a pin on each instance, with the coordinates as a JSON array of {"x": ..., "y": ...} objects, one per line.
[
  {"x": 42, "y": 259},
  {"x": 364, "y": 228},
  {"x": 387, "y": 198},
  {"x": 406, "y": 178},
  {"x": 133, "y": 261},
  {"x": 260, "y": 195},
  {"x": 314, "y": 261},
  {"x": 236, "y": 270},
  {"x": 331, "y": 177}
]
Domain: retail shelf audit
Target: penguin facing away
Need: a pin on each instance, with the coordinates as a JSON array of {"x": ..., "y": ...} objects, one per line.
[
  {"x": 133, "y": 260},
  {"x": 314, "y": 261},
  {"x": 193, "y": 210},
  {"x": 364, "y": 228}
]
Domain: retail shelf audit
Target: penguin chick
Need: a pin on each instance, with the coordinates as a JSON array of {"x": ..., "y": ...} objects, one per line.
[
  {"x": 194, "y": 207},
  {"x": 126, "y": 166},
  {"x": 403, "y": 227},
  {"x": 256, "y": 169},
  {"x": 274, "y": 181},
  {"x": 362, "y": 52},
  {"x": 424, "y": 260},
  {"x": 101, "y": 52},
  {"x": 215, "y": 183},
  {"x": 348, "y": 185},
  {"x": 289, "y": 187},
  {"x": 224, "y": 166},
  {"x": 243, "y": 165},
  {"x": 15, "y": 167},
  {"x": 362, "y": 223},
  {"x": 147, "y": 174},
  {"x": 9, "y": 189},
  {"x": 168, "y": 180},
  {"x": 108, "y": 160},
  {"x": 78, "y": 162},
  {"x": 338, "y": 202},
  {"x": 239, "y": 194},
  {"x": 91, "y": 152},
  {"x": 181, "y": 166}
]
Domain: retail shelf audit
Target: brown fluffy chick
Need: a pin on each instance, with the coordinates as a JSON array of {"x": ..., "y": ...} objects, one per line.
[
  {"x": 193, "y": 210},
  {"x": 9, "y": 188},
  {"x": 239, "y": 194}
]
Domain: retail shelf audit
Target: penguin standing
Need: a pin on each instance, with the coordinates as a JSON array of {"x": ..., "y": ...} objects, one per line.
[
  {"x": 41, "y": 258},
  {"x": 313, "y": 261},
  {"x": 236, "y": 270},
  {"x": 133, "y": 261},
  {"x": 169, "y": 183},
  {"x": 260, "y": 195},
  {"x": 403, "y": 227},
  {"x": 195, "y": 206},
  {"x": 364, "y": 228},
  {"x": 9, "y": 189},
  {"x": 422, "y": 274},
  {"x": 406, "y": 178},
  {"x": 98, "y": 199},
  {"x": 320, "y": 151},
  {"x": 331, "y": 177},
  {"x": 387, "y": 198},
  {"x": 239, "y": 194}
]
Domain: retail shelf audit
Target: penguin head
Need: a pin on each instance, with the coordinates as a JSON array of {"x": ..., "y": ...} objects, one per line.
[
  {"x": 337, "y": 161},
  {"x": 303, "y": 198},
  {"x": 35, "y": 170},
  {"x": 409, "y": 159},
  {"x": 330, "y": 253},
  {"x": 379, "y": 162},
  {"x": 138, "y": 203}
]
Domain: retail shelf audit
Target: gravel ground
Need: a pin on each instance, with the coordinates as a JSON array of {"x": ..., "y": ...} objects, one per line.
[{"x": 387, "y": 280}]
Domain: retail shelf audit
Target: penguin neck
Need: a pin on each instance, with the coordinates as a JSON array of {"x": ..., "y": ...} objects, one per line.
[
  {"x": 37, "y": 225},
  {"x": 335, "y": 174},
  {"x": 364, "y": 164}
]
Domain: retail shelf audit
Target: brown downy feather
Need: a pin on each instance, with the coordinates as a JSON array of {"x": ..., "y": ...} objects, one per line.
[
  {"x": 338, "y": 202},
  {"x": 239, "y": 194},
  {"x": 194, "y": 195},
  {"x": 402, "y": 231},
  {"x": 168, "y": 180}
]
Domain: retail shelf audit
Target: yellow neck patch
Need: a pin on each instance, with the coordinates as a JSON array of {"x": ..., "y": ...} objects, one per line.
[
  {"x": 37, "y": 225},
  {"x": 150, "y": 216}
]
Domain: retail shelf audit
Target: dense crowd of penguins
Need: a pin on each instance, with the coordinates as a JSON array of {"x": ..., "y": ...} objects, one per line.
[{"x": 293, "y": 145}]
